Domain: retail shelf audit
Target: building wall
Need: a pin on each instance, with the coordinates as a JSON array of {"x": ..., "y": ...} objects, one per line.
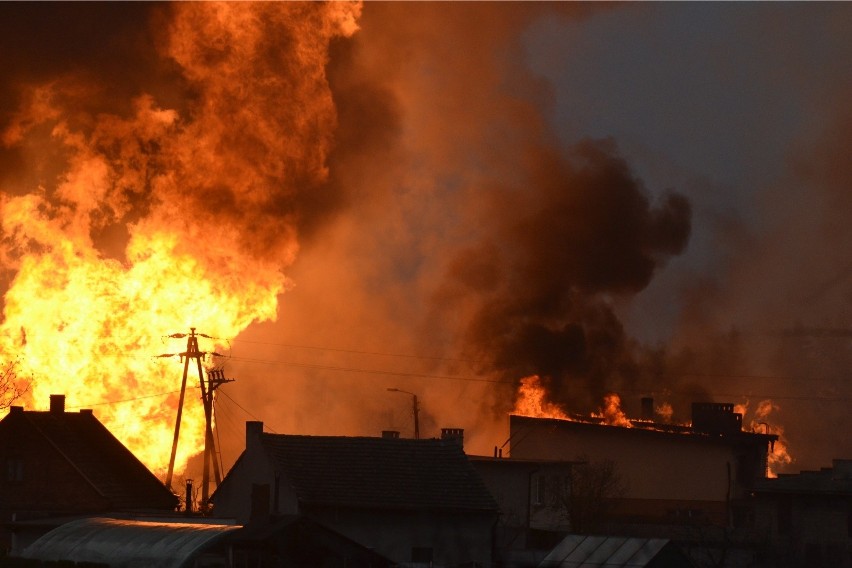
[
  {"x": 675, "y": 475},
  {"x": 528, "y": 494},
  {"x": 806, "y": 530},
  {"x": 251, "y": 481}
]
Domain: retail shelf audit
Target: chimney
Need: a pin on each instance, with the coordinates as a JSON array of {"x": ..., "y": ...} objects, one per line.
[
  {"x": 647, "y": 408},
  {"x": 253, "y": 432},
  {"x": 188, "y": 497},
  {"x": 390, "y": 434},
  {"x": 456, "y": 434},
  {"x": 57, "y": 403},
  {"x": 716, "y": 418}
]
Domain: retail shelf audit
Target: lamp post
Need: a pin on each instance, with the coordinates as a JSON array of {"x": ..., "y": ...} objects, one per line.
[{"x": 416, "y": 412}]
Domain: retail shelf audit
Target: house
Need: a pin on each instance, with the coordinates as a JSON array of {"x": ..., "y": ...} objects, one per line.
[
  {"x": 533, "y": 498},
  {"x": 59, "y": 464},
  {"x": 668, "y": 475},
  {"x": 806, "y": 518},
  {"x": 417, "y": 501}
]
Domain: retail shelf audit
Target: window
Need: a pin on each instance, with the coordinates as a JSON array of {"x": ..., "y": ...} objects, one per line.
[
  {"x": 539, "y": 492},
  {"x": 14, "y": 469}
]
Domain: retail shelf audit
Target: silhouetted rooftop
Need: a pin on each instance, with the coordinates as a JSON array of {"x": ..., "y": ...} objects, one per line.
[
  {"x": 99, "y": 457},
  {"x": 379, "y": 472},
  {"x": 836, "y": 480}
]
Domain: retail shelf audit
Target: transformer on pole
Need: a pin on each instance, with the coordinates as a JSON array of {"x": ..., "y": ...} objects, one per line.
[{"x": 215, "y": 378}]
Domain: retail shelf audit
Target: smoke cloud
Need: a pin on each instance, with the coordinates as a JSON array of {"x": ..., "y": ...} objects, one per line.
[{"x": 385, "y": 190}]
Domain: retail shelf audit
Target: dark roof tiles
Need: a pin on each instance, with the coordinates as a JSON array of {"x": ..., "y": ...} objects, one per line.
[
  {"x": 379, "y": 472},
  {"x": 111, "y": 469}
]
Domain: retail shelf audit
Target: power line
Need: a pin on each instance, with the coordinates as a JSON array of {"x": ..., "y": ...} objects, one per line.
[
  {"x": 244, "y": 409},
  {"x": 110, "y": 402},
  {"x": 370, "y": 371},
  {"x": 360, "y": 352}
]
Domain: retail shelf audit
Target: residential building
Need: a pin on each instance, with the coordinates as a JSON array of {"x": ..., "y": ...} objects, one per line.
[
  {"x": 805, "y": 519},
  {"x": 669, "y": 475},
  {"x": 409, "y": 500},
  {"x": 533, "y": 498},
  {"x": 59, "y": 464}
]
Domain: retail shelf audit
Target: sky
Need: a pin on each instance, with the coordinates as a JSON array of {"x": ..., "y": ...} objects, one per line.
[{"x": 643, "y": 198}]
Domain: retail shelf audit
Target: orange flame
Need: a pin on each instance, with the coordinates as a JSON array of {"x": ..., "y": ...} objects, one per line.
[
  {"x": 611, "y": 412},
  {"x": 90, "y": 326},
  {"x": 531, "y": 400},
  {"x": 779, "y": 456}
]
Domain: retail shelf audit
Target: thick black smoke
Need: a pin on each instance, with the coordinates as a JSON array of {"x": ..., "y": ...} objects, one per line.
[{"x": 556, "y": 257}]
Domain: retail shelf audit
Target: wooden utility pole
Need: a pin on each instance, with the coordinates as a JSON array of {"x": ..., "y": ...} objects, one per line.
[{"x": 215, "y": 378}]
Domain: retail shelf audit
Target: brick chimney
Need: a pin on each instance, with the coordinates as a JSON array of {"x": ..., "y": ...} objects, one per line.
[
  {"x": 253, "y": 432},
  {"x": 455, "y": 434},
  {"x": 57, "y": 403},
  {"x": 647, "y": 408}
]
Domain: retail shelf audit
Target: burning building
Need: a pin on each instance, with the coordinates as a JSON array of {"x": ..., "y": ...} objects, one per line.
[{"x": 670, "y": 474}]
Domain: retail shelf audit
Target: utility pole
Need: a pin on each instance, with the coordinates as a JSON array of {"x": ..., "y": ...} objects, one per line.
[
  {"x": 416, "y": 411},
  {"x": 215, "y": 378}
]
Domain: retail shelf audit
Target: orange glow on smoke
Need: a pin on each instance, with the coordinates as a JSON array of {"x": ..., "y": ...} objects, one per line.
[{"x": 87, "y": 325}]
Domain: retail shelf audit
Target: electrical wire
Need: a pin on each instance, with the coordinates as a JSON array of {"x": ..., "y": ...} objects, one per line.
[
  {"x": 110, "y": 402},
  {"x": 246, "y": 411},
  {"x": 358, "y": 352}
]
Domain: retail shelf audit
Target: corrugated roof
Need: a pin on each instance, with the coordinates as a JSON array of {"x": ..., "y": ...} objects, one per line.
[
  {"x": 379, "y": 472},
  {"x": 579, "y": 551},
  {"x": 126, "y": 544},
  {"x": 101, "y": 459}
]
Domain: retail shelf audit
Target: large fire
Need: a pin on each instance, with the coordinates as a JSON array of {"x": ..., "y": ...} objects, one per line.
[
  {"x": 531, "y": 400},
  {"x": 197, "y": 197}
]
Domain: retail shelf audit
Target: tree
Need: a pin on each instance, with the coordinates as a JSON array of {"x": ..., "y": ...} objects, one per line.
[
  {"x": 12, "y": 386},
  {"x": 594, "y": 487}
]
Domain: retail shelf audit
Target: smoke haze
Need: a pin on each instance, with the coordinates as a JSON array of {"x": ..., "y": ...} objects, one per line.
[{"x": 440, "y": 198}]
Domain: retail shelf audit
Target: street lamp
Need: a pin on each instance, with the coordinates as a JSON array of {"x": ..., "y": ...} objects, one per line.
[{"x": 416, "y": 412}]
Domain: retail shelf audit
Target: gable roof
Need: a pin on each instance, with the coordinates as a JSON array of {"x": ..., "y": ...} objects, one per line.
[
  {"x": 382, "y": 473},
  {"x": 99, "y": 457}
]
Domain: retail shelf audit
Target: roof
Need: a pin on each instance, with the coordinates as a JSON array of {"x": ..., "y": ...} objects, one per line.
[
  {"x": 300, "y": 537},
  {"x": 126, "y": 544},
  {"x": 647, "y": 428},
  {"x": 576, "y": 551},
  {"x": 380, "y": 473},
  {"x": 100, "y": 458},
  {"x": 835, "y": 480}
]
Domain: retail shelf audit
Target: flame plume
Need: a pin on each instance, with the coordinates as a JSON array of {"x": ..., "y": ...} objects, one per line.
[{"x": 163, "y": 217}]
